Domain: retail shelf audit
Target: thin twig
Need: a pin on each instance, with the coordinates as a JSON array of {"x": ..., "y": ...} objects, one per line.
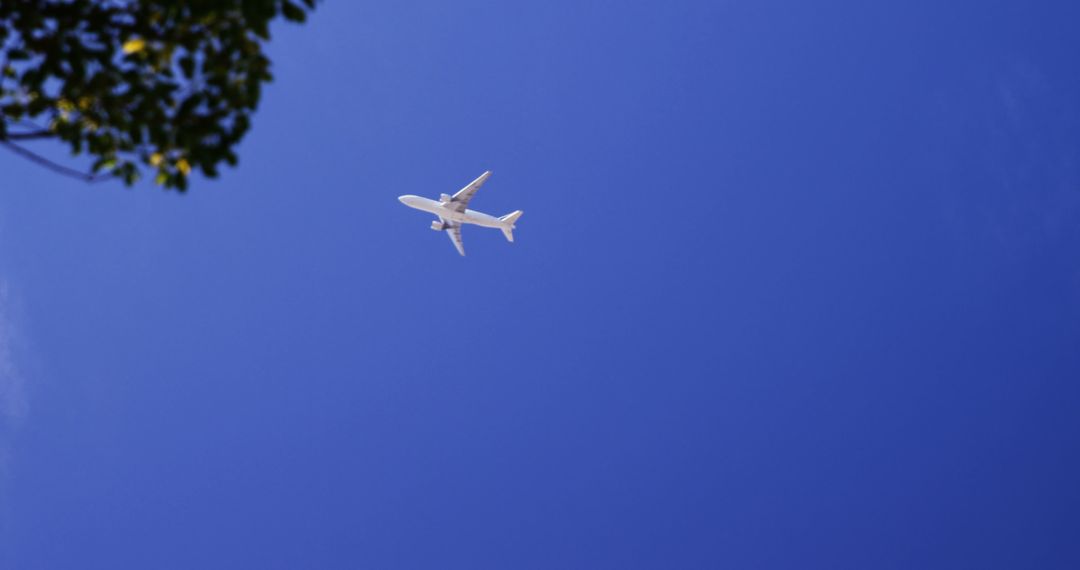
[
  {"x": 58, "y": 168},
  {"x": 30, "y": 135}
]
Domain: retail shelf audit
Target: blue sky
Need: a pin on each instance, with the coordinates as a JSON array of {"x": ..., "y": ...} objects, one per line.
[{"x": 796, "y": 286}]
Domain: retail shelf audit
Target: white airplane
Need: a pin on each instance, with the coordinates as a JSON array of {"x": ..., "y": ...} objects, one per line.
[{"x": 453, "y": 213}]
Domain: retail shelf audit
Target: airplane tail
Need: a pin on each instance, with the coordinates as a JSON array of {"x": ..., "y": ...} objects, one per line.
[{"x": 509, "y": 219}]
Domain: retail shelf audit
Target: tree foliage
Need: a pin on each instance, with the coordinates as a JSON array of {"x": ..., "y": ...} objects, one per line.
[{"x": 166, "y": 84}]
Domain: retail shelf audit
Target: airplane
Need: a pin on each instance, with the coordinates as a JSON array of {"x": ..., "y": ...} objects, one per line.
[{"x": 453, "y": 213}]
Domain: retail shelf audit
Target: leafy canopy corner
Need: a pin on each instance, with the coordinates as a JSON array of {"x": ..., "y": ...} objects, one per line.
[{"x": 152, "y": 85}]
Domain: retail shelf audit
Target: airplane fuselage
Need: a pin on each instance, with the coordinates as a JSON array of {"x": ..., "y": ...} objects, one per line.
[{"x": 444, "y": 211}]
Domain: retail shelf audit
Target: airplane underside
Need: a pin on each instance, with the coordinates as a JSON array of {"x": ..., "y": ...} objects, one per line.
[{"x": 452, "y": 213}]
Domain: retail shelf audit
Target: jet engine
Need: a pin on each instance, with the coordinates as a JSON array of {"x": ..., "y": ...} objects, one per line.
[
  {"x": 445, "y": 198},
  {"x": 438, "y": 226}
]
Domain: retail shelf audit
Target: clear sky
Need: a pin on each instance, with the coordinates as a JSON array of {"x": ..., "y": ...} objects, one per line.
[{"x": 797, "y": 286}]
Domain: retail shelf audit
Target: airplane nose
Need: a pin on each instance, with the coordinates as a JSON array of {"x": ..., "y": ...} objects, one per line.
[{"x": 403, "y": 198}]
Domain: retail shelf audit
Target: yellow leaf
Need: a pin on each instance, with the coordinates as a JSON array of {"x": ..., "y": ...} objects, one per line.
[
  {"x": 65, "y": 105},
  {"x": 133, "y": 45},
  {"x": 155, "y": 159},
  {"x": 183, "y": 166}
]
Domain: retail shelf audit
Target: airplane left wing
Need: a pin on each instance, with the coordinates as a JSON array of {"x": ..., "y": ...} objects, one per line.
[
  {"x": 460, "y": 201},
  {"x": 454, "y": 232}
]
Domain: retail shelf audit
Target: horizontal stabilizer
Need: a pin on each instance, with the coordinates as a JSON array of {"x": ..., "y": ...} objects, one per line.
[
  {"x": 508, "y": 224},
  {"x": 511, "y": 217}
]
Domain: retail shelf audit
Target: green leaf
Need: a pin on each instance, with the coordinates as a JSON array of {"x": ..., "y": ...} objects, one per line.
[
  {"x": 187, "y": 65},
  {"x": 293, "y": 12}
]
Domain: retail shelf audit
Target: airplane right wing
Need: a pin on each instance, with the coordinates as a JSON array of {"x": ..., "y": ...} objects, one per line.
[
  {"x": 460, "y": 200},
  {"x": 454, "y": 231}
]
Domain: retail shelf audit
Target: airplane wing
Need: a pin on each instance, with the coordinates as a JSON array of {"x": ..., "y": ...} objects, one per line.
[
  {"x": 454, "y": 231},
  {"x": 460, "y": 201}
]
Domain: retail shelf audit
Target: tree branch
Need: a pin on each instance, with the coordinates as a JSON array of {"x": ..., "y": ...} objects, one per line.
[
  {"x": 57, "y": 168},
  {"x": 30, "y": 135}
]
